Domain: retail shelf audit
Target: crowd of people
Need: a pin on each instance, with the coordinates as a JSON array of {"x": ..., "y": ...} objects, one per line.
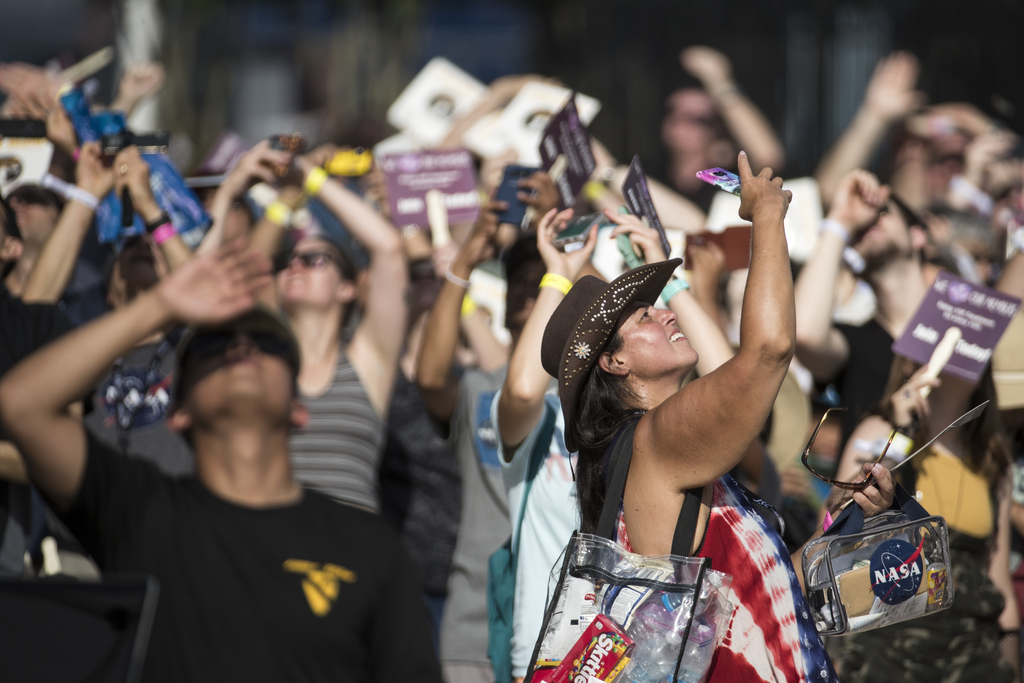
[{"x": 313, "y": 431}]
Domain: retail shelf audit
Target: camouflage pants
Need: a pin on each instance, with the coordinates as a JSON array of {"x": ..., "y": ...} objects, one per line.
[{"x": 957, "y": 645}]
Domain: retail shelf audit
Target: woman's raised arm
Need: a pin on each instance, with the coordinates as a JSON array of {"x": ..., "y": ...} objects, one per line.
[{"x": 702, "y": 431}]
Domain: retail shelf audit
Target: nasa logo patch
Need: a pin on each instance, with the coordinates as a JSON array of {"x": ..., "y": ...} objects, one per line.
[{"x": 896, "y": 571}]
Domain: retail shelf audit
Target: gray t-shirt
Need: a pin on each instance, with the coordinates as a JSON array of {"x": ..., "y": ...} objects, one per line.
[
  {"x": 484, "y": 524},
  {"x": 138, "y": 392}
]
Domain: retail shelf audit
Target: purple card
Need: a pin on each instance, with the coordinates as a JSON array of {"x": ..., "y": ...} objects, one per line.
[
  {"x": 634, "y": 189},
  {"x": 566, "y": 137},
  {"x": 410, "y": 176},
  {"x": 982, "y": 315}
]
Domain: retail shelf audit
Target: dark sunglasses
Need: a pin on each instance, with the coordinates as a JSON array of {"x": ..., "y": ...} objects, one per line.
[
  {"x": 211, "y": 344},
  {"x": 847, "y": 485},
  {"x": 312, "y": 259}
]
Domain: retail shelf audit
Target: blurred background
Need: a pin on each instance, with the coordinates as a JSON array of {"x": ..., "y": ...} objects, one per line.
[{"x": 330, "y": 68}]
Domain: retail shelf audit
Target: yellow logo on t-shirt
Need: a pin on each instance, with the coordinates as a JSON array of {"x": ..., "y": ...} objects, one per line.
[{"x": 321, "y": 582}]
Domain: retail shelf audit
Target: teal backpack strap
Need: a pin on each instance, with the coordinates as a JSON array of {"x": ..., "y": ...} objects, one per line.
[
  {"x": 502, "y": 564},
  {"x": 541, "y": 448}
]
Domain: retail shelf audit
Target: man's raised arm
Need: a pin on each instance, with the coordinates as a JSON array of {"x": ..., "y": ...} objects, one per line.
[{"x": 35, "y": 395}]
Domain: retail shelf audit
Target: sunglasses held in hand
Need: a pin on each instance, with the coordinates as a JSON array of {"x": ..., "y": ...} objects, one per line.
[
  {"x": 861, "y": 485},
  {"x": 847, "y": 485}
]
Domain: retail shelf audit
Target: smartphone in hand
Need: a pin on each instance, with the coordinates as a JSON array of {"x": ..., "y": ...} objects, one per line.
[
  {"x": 507, "y": 190},
  {"x": 575, "y": 232},
  {"x": 719, "y": 177}
]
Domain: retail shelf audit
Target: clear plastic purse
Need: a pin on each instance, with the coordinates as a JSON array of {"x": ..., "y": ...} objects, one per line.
[
  {"x": 612, "y": 613},
  {"x": 862, "y": 575},
  {"x": 648, "y": 607}
]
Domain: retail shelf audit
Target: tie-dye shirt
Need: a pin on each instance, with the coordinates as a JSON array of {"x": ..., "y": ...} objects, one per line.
[{"x": 771, "y": 636}]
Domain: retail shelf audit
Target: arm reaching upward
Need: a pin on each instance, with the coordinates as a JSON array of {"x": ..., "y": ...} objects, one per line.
[
  {"x": 720, "y": 414},
  {"x": 254, "y": 166},
  {"x": 138, "y": 82},
  {"x": 56, "y": 263},
  {"x": 522, "y": 395},
  {"x": 747, "y": 125},
  {"x": 820, "y": 346},
  {"x": 35, "y": 395},
  {"x": 890, "y": 97},
  {"x": 441, "y": 336},
  {"x": 132, "y": 174},
  {"x": 378, "y": 339}
]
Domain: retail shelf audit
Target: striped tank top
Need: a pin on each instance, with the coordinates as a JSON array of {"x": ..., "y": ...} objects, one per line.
[{"x": 339, "y": 451}]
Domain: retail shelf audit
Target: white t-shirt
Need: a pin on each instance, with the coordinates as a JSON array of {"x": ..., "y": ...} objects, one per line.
[{"x": 551, "y": 516}]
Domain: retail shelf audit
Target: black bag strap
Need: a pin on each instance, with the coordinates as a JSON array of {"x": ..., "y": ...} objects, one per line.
[
  {"x": 618, "y": 471},
  {"x": 686, "y": 525},
  {"x": 615, "y": 480}
]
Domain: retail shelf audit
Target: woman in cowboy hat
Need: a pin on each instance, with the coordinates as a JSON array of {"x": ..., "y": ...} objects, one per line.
[{"x": 618, "y": 359}]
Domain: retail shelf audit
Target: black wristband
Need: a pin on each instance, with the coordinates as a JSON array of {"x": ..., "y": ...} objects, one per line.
[{"x": 158, "y": 221}]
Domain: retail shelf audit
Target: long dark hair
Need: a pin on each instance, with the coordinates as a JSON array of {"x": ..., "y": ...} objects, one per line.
[
  {"x": 987, "y": 452},
  {"x": 606, "y": 403}
]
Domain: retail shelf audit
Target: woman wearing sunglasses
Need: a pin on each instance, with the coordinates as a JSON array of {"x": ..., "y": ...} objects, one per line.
[
  {"x": 347, "y": 374},
  {"x": 620, "y": 360},
  {"x": 962, "y": 477}
]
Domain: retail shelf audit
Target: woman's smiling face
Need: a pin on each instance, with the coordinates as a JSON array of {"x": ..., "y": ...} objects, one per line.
[{"x": 653, "y": 346}]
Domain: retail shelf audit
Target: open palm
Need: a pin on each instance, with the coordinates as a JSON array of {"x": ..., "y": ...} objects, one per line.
[{"x": 215, "y": 286}]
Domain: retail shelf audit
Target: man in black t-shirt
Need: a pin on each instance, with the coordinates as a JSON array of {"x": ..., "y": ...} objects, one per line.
[
  {"x": 260, "y": 579},
  {"x": 888, "y": 237}
]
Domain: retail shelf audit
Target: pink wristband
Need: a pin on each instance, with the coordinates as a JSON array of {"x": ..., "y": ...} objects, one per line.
[
  {"x": 77, "y": 153},
  {"x": 164, "y": 233}
]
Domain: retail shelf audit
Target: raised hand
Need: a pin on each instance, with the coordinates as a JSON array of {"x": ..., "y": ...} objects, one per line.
[
  {"x": 706, "y": 267},
  {"x": 982, "y": 153},
  {"x": 215, "y": 286},
  {"x": 60, "y": 131},
  {"x": 479, "y": 246},
  {"x": 761, "y": 194},
  {"x": 641, "y": 237},
  {"x": 317, "y": 157},
  {"x": 91, "y": 174},
  {"x": 138, "y": 82},
  {"x": 255, "y": 165},
  {"x": 858, "y": 200},
  {"x": 557, "y": 261},
  {"x": 709, "y": 66},
  {"x": 132, "y": 172},
  {"x": 26, "y": 82},
  {"x": 907, "y": 403},
  {"x": 539, "y": 192},
  {"x": 890, "y": 93}
]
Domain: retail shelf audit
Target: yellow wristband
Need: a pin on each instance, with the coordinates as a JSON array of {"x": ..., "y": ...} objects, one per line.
[
  {"x": 594, "y": 190},
  {"x": 278, "y": 213},
  {"x": 468, "y": 306},
  {"x": 315, "y": 181},
  {"x": 562, "y": 284}
]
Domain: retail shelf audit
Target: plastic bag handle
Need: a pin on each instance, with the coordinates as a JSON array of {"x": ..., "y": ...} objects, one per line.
[{"x": 851, "y": 520}]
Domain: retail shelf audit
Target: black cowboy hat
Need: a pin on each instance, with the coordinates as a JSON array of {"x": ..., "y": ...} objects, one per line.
[{"x": 584, "y": 322}]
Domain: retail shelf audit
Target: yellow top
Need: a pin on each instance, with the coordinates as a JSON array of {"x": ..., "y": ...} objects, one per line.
[{"x": 946, "y": 487}]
